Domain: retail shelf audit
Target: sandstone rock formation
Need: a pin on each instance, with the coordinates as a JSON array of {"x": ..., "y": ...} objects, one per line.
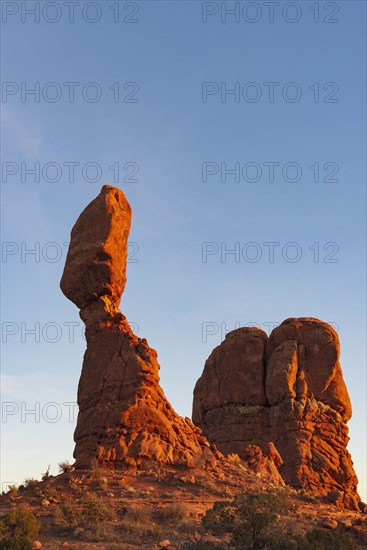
[
  {"x": 278, "y": 402},
  {"x": 264, "y": 462},
  {"x": 287, "y": 390},
  {"x": 124, "y": 415}
]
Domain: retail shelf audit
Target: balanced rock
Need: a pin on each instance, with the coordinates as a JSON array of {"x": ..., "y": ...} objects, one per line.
[
  {"x": 124, "y": 416},
  {"x": 96, "y": 260},
  {"x": 287, "y": 390}
]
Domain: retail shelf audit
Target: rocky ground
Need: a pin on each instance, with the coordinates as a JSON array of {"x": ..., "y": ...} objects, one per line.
[{"x": 158, "y": 508}]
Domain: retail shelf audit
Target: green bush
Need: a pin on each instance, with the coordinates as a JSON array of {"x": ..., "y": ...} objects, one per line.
[
  {"x": 220, "y": 519},
  {"x": 18, "y": 529},
  {"x": 247, "y": 518},
  {"x": 95, "y": 511},
  {"x": 201, "y": 545},
  {"x": 91, "y": 511},
  {"x": 321, "y": 539},
  {"x": 251, "y": 520},
  {"x": 16, "y": 544}
]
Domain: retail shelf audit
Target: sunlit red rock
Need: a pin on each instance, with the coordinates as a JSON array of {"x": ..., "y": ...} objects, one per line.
[
  {"x": 264, "y": 462},
  {"x": 124, "y": 416},
  {"x": 280, "y": 403},
  {"x": 96, "y": 260},
  {"x": 301, "y": 405}
]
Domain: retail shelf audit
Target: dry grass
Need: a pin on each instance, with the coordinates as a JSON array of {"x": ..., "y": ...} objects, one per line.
[{"x": 143, "y": 510}]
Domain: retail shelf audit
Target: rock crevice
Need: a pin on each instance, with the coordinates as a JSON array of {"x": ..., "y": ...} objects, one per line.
[{"x": 294, "y": 396}]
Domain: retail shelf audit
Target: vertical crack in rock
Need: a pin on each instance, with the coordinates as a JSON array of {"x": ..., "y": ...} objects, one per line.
[{"x": 302, "y": 407}]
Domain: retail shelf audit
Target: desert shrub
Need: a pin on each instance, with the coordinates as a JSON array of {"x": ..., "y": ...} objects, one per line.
[
  {"x": 95, "y": 511},
  {"x": 87, "y": 520},
  {"x": 64, "y": 467},
  {"x": 13, "y": 492},
  {"x": 248, "y": 519},
  {"x": 91, "y": 511},
  {"x": 156, "y": 468},
  {"x": 95, "y": 469},
  {"x": 46, "y": 475},
  {"x": 279, "y": 541},
  {"x": 197, "y": 542},
  {"x": 75, "y": 484},
  {"x": 317, "y": 539},
  {"x": 219, "y": 519},
  {"x": 139, "y": 513},
  {"x": 155, "y": 533},
  {"x": 100, "y": 532},
  {"x": 50, "y": 492},
  {"x": 201, "y": 545},
  {"x": 30, "y": 482},
  {"x": 136, "y": 525},
  {"x": 170, "y": 514},
  {"x": 322, "y": 539},
  {"x": 251, "y": 520},
  {"x": 188, "y": 527},
  {"x": 18, "y": 529},
  {"x": 16, "y": 543}
]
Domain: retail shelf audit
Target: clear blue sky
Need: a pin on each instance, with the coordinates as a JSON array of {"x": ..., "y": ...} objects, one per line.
[{"x": 174, "y": 126}]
